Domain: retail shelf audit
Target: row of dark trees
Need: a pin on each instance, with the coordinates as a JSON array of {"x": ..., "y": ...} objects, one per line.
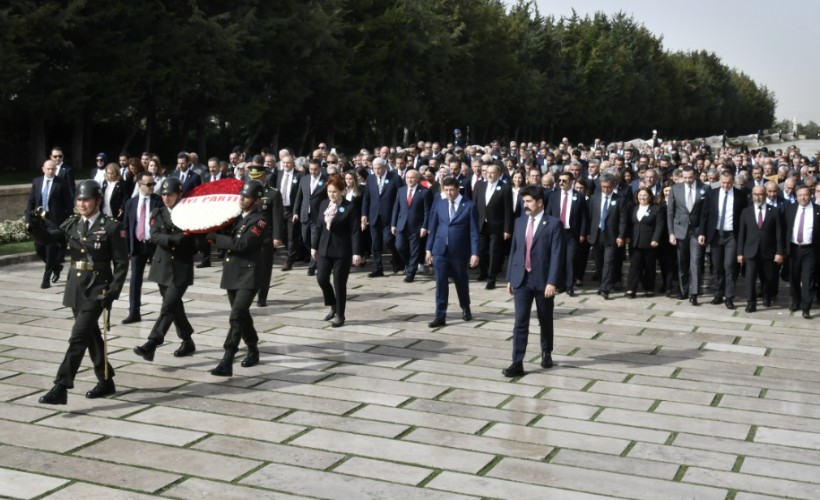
[{"x": 165, "y": 75}]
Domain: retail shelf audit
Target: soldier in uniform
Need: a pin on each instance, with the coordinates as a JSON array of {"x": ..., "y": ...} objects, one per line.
[
  {"x": 270, "y": 206},
  {"x": 99, "y": 262},
  {"x": 241, "y": 275},
  {"x": 173, "y": 270}
]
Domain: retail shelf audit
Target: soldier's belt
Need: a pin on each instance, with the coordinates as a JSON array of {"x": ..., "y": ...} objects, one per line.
[{"x": 82, "y": 265}]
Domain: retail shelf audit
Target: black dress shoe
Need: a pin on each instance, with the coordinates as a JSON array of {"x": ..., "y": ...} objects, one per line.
[
  {"x": 287, "y": 267},
  {"x": 45, "y": 284},
  {"x": 514, "y": 370},
  {"x": 437, "y": 322},
  {"x": 252, "y": 358},
  {"x": 693, "y": 299},
  {"x": 262, "y": 303},
  {"x": 630, "y": 294},
  {"x": 102, "y": 389},
  {"x": 767, "y": 302},
  {"x": 730, "y": 304},
  {"x": 717, "y": 299},
  {"x": 571, "y": 292},
  {"x": 806, "y": 315},
  {"x": 396, "y": 269},
  {"x": 750, "y": 308},
  {"x": 605, "y": 295},
  {"x": 58, "y": 395},
  {"x": 490, "y": 285},
  {"x": 409, "y": 279},
  {"x": 466, "y": 315},
  {"x": 132, "y": 318},
  {"x": 340, "y": 321},
  {"x": 203, "y": 264},
  {"x": 331, "y": 314},
  {"x": 481, "y": 277},
  {"x": 793, "y": 307},
  {"x": 311, "y": 272},
  {"x": 375, "y": 274},
  {"x": 546, "y": 360},
  {"x": 185, "y": 349},
  {"x": 683, "y": 296},
  {"x": 146, "y": 351},
  {"x": 56, "y": 274}
]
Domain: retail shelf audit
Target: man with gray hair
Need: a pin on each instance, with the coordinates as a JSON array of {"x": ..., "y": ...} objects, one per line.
[{"x": 377, "y": 208}]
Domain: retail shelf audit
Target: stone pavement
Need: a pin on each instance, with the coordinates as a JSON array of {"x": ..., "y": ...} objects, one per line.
[{"x": 651, "y": 398}]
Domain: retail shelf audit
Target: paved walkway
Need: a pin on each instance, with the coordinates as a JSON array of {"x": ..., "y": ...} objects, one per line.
[{"x": 651, "y": 398}]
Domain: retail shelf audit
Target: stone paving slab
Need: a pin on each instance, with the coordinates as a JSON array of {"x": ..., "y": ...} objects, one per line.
[{"x": 648, "y": 398}]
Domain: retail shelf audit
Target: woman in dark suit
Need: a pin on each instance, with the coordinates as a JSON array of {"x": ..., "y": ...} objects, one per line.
[
  {"x": 646, "y": 224},
  {"x": 335, "y": 246},
  {"x": 113, "y": 191}
]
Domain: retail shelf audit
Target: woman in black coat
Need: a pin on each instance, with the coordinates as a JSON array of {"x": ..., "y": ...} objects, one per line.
[
  {"x": 646, "y": 229},
  {"x": 113, "y": 192},
  {"x": 335, "y": 246}
]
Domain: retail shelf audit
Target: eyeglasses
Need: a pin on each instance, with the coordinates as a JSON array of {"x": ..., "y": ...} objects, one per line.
[
  {"x": 149, "y": 184},
  {"x": 100, "y": 160}
]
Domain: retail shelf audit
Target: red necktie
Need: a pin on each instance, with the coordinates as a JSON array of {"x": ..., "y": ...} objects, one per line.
[
  {"x": 141, "y": 222},
  {"x": 527, "y": 261},
  {"x": 760, "y": 217},
  {"x": 409, "y": 196},
  {"x": 564, "y": 211}
]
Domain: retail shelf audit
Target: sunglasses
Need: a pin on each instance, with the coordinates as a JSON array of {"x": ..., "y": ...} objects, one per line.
[{"x": 149, "y": 184}]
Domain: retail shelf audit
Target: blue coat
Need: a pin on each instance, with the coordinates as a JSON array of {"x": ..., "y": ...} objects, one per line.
[
  {"x": 545, "y": 254},
  {"x": 461, "y": 234},
  {"x": 378, "y": 207}
]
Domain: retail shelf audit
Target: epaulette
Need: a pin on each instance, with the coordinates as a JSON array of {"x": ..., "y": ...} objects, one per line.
[
  {"x": 155, "y": 212},
  {"x": 70, "y": 220}
]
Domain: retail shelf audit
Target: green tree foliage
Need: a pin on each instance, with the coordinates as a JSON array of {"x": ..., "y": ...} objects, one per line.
[{"x": 165, "y": 75}]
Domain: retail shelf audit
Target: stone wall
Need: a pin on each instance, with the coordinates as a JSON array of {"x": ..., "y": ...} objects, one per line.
[{"x": 13, "y": 201}]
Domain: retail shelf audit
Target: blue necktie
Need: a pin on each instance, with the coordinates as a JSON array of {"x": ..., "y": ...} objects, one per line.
[
  {"x": 46, "y": 187},
  {"x": 605, "y": 211}
]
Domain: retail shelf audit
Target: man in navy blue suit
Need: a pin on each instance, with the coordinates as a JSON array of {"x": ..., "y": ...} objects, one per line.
[
  {"x": 51, "y": 193},
  {"x": 137, "y": 222},
  {"x": 185, "y": 174},
  {"x": 571, "y": 211},
  {"x": 452, "y": 243},
  {"x": 411, "y": 213},
  {"x": 380, "y": 195},
  {"x": 533, "y": 274}
]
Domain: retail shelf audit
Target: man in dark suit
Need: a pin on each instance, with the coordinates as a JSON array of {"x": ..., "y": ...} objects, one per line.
[
  {"x": 137, "y": 223},
  {"x": 607, "y": 231},
  {"x": 311, "y": 194},
  {"x": 452, "y": 243},
  {"x": 803, "y": 232},
  {"x": 493, "y": 199},
  {"x": 719, "y": 226},
  {"x": 51, "y": 193},
  {"x": 186, "y": 176},
  {"x": 760, "y": 247},
  {"x": 683, "y": 211},
  {"x": 64, "y": 172},
  {"x": 379, "y": 197},
  {"x": 411, "y": 213},
  {"x": 571, "y": 211},
  {"x": 241, "y": 276},
  {"x": 533, "y": 274},
  {"x": 286, "y": 181}
]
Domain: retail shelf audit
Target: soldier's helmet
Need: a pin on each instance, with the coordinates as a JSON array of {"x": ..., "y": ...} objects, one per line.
[
  {"x": 89, "y": 189},
  {"x": 170, "y": 186},
  {"x": 252, "y": 189}
]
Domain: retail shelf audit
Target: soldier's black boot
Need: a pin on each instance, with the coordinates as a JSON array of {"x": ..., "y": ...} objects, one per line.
[
  {"x": 102, "y": 389},
  {"x": 185, "y": 349},
  {"x": 225, "y": 367},
  {"x": 252, "y": 358},
  {"x": 146, "y": 350},
  {"x": 56, "y": 396}
]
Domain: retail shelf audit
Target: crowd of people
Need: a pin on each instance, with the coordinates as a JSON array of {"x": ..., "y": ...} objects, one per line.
[{"x": 668, "y": 207}]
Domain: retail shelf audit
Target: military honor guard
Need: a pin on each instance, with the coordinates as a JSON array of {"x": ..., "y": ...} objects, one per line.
[{"x": 270, "y": 206}]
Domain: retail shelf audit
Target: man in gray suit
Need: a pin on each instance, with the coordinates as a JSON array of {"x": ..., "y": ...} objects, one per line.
[{"x": 683, "y": 218}]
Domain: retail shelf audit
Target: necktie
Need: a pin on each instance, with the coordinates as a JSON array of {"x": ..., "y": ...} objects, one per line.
[
  {"x": 604, "y": 211},
  {"x": 312, "y": 184},
  {"x": 564, "y": 211},
  {"x": 800, "y": 226},
  {"x": 141, "y": 221},
  {"x": 46, "y": 188},
  {"x": 690, "y": 199},
  {"x": 530, "y": 229},
  {"x": 285, "y": 188},
  {"x": 452, "y": 209},
  {"x": 381, "y": 185},
  {"x": 760, "y": 217},
  {"x": 723, "y": 213},
  {"x": 182, "y": 178},
  {"x": 86, "y": 227},
  {"x": 409, "y": 196}
]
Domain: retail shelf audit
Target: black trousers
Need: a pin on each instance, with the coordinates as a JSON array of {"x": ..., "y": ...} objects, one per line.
[
  {"x": 408, "y": 245},
  {"x": 490, "y": 252},
  {"x": 292, "y": 238},
  {"x": 51, "y": 255},
  {"x": 581, "y": 260},
  {"x": 802, "y": 275},
  {"x": 267, "y": 269},
  {"x": 241, "y": 322},
  {"x": 171, "y": 312},
  {"x": 309, "y": 228},
  {"x": 340, "y": 268},
  {"x": 762, "y": 268},
  {"x": 642, "y": 269},
  {"x": 85, "y": 334},
  {"x": 605, "y": 265},
  {"x": 138, "y": 260},
  {"x": 569, "y": 247},
  {"x": 381, "y": 237},
  {"x": 522, "y": 298}
]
